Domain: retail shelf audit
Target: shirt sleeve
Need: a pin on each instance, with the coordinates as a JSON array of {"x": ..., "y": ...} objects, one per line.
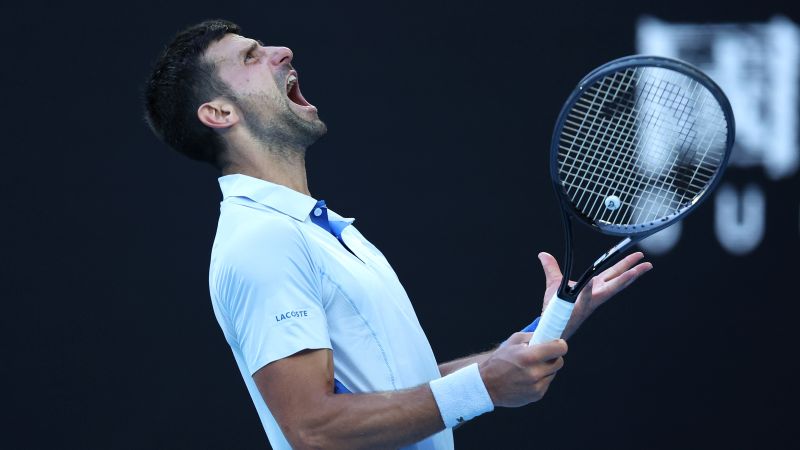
[{"x": 270, "y": 291}]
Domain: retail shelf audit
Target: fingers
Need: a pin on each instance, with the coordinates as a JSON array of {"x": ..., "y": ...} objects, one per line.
[
  {"x": 622, "y": 281},
  {"x": 543, "y": 384},
  {"x": 586, "y": 292},
  {"x": 539, "y": 388},
  {"x": 543, "y": 372},
  {"x": 622, "y": 266},
  {"x": 551, "y": 270},
  {"x": 516, "y": 375},
  {"x": 548, "y": 351},
  {"x": 545, "y": 381},
  {"x": 548, "y": 359},
  {"x": 519, "y": 338},
  {"x": 584, "y": 301},
  {"x": 550, "y": 369}
]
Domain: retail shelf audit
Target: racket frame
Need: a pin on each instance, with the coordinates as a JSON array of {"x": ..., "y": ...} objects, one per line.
[{"x": 635, "y": 233}]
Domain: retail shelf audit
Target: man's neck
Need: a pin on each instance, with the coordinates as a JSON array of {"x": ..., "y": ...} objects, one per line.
[{"x": 287, "y": 168}]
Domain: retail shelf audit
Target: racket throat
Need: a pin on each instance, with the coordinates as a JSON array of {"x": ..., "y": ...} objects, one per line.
[
  {"x": 613, "y": 251},
  {"x": 570, "y": 293}
]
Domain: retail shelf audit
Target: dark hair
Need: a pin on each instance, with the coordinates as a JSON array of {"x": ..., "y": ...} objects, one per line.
[{"x": 181, "y": 81}]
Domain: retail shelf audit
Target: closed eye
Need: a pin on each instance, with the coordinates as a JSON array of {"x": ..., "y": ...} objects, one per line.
[{"x": 250, "y": 53}]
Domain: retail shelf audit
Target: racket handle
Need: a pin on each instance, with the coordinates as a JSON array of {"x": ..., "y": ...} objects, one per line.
[{"x": 554, "y": 320}]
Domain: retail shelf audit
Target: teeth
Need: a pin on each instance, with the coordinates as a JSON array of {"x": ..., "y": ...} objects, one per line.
[{"x": 291, "y": 81}]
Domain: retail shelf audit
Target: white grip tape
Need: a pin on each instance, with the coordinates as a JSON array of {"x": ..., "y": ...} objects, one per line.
[
  {"x": 553, "y": 321},
  {"x": 461, "y": 395}
]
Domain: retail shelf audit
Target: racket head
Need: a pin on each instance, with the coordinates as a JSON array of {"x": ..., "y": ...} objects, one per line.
[{"x": 631, "y": 96}]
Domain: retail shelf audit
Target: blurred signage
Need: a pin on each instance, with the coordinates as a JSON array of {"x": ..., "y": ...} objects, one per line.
[{"x": 758, "y": 67}]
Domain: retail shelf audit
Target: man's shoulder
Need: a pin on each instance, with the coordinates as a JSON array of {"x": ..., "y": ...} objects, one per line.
[{"x": 246, "y": 232}]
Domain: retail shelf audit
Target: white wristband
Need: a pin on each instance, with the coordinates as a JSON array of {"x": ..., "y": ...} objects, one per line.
[{"x": 461, "y": 395}]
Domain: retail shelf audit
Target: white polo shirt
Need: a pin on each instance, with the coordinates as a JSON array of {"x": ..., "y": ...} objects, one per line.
[{"x": 281, "y": 284}]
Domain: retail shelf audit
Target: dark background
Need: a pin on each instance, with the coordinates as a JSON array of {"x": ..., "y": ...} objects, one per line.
[{"x": 440, "y": 116}]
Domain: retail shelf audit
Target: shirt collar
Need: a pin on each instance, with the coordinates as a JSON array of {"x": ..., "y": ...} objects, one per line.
[{"x": 275, "y": 196}]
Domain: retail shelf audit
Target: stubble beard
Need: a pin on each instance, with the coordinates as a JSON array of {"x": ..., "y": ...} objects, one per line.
[{"x": 279, "y": 128}]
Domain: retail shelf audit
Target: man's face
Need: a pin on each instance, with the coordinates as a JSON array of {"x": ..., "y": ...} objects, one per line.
[{"x": 267, "y": 91}]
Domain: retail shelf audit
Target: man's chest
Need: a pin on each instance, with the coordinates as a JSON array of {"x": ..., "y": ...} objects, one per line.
[{"x": 355, "y": 277}]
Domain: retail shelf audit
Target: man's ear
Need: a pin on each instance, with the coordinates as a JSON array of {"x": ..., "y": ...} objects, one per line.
[{"x": 218, "y": 113}]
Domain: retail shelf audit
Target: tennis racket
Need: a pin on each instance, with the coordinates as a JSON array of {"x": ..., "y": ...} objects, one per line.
[{"x": 640, "y": 143}]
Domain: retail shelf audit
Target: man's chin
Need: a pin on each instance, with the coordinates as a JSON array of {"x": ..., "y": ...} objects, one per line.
[
  {"x": 311, "y": 130},
  {"x": 323, "y": 129}
]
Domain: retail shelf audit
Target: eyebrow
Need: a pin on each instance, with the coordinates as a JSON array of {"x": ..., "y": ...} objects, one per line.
[{"x": 253, "y": 45}]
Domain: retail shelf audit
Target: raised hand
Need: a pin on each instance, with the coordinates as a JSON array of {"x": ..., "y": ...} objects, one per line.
[{"x": 601, "y": 288}]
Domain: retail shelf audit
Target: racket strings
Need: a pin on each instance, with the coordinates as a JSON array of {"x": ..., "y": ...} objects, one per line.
[
  {"x": 661, "y": 198},
  {"x": 658, "y": 200},
  {"x": 648, "y": 95},
  {"x": 618, "y": 133},
  {"x": 649, "y": 138},
  {"x": 596, "y": 164},
  {"x": 586, "y": 174}
]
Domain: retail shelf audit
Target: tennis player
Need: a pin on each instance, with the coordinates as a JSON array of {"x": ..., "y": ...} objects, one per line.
[{"x": 324, "y": 335}]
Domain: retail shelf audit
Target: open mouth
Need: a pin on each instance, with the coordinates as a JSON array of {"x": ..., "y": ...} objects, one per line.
[{"x": 293, "y": 90}]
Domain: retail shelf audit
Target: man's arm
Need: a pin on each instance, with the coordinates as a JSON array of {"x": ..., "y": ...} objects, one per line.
[
  {"x": 299, "y": 392},
  {"x": 450, "y": 367},
  {"x": 604, "y": 286}
]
